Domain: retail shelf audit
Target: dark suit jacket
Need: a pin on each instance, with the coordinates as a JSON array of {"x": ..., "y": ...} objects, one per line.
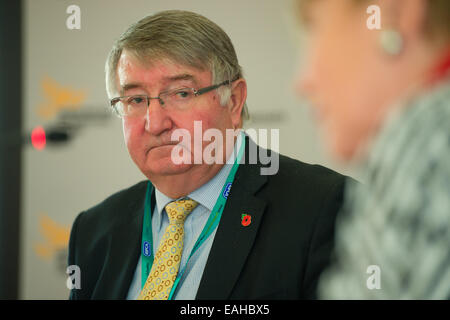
[{"x": 280, "y": 255}]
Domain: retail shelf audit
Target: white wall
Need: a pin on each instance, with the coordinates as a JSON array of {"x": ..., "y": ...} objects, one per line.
[{"x": 60, "y": 182}]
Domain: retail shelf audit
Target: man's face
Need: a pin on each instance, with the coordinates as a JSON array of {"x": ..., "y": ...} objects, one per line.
[{"x": 148, "y": 137}]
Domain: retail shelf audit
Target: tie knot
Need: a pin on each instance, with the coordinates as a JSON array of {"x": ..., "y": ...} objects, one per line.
[{"x": 177, "y": 211}]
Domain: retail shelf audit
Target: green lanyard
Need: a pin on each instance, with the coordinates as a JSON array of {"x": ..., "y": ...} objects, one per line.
[{"x": 211, "y": 224}]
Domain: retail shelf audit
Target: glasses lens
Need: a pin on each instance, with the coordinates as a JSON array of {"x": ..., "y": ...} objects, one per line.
[
  {"x": 117, "y": 107},
  {"x": 179, "y": 98},
  {"x": 133, "y": 105}
]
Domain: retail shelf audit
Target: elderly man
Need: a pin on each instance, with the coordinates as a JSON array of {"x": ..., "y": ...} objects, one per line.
[{"x": 184, "y": 232}]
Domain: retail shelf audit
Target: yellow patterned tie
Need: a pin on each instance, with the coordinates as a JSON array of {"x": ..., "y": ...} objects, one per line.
[{"x": 167, "y": 259}]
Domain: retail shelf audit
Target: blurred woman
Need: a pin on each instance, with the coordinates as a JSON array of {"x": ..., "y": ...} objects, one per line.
[{"x": 382, "y": 97}]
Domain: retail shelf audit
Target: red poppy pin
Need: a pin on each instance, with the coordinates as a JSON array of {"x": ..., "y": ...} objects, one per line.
[{"x": 246, "y": 219}]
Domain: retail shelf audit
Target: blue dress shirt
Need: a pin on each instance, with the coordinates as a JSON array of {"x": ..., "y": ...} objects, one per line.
[{"x": 206, "y": 196}]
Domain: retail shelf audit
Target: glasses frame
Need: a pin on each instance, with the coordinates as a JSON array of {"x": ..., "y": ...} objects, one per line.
[{"x": 197, "y": 92}]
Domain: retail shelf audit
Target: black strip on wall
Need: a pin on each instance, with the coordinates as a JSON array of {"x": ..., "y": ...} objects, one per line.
[{"x": 10, "y": 145}]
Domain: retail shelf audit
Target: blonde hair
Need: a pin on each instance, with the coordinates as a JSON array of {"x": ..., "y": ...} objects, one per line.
[
  {"x": 183, "y": 37},
  {"x": 437, "y": 25}
]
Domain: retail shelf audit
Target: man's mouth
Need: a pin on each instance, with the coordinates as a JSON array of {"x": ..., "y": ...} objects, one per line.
[
  {"x": 162, "y": 145},
  {"x": 159, "y": 146}
]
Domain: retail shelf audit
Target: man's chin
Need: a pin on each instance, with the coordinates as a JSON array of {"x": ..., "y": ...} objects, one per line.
[{"x": 164, "y": 167}]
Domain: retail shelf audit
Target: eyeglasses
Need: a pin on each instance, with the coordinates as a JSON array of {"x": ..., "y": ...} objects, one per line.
[{"x": 180, "y": 99}]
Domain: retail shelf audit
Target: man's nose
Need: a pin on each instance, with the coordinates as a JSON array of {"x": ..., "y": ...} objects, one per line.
[{"x": 157, "y": 119}]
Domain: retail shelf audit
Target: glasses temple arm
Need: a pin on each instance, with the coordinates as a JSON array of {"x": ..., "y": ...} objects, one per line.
[{"x": 207, "y": 89}]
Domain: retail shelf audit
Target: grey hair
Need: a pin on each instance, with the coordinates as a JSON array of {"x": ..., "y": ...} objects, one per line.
[{"x": 183, "y": 37}]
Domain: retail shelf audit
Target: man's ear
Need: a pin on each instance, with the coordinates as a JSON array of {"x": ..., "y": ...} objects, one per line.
[{"x": 237, "y": 101}]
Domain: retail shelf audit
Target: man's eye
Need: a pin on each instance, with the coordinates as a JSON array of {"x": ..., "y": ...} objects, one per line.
[
  {"x": 183, "y": 94},
  {"x": 136, "y": 100}
]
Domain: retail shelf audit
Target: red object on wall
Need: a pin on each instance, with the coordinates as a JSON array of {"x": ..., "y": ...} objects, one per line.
[{"x": 38, "y": 139}]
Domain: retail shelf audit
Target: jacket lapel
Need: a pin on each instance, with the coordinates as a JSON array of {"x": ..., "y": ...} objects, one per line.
[
  {"x": 233, "y": 241},
  {"x": 124, "y": 251}
]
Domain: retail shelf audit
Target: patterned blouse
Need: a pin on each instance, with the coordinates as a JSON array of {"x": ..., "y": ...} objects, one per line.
[{"x": 393, "y": 236}]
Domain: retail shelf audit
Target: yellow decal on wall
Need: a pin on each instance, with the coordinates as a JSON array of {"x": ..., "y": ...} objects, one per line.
[
  {"x": 56, "y": 236},
  {"x": 58, "y": 98}
]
